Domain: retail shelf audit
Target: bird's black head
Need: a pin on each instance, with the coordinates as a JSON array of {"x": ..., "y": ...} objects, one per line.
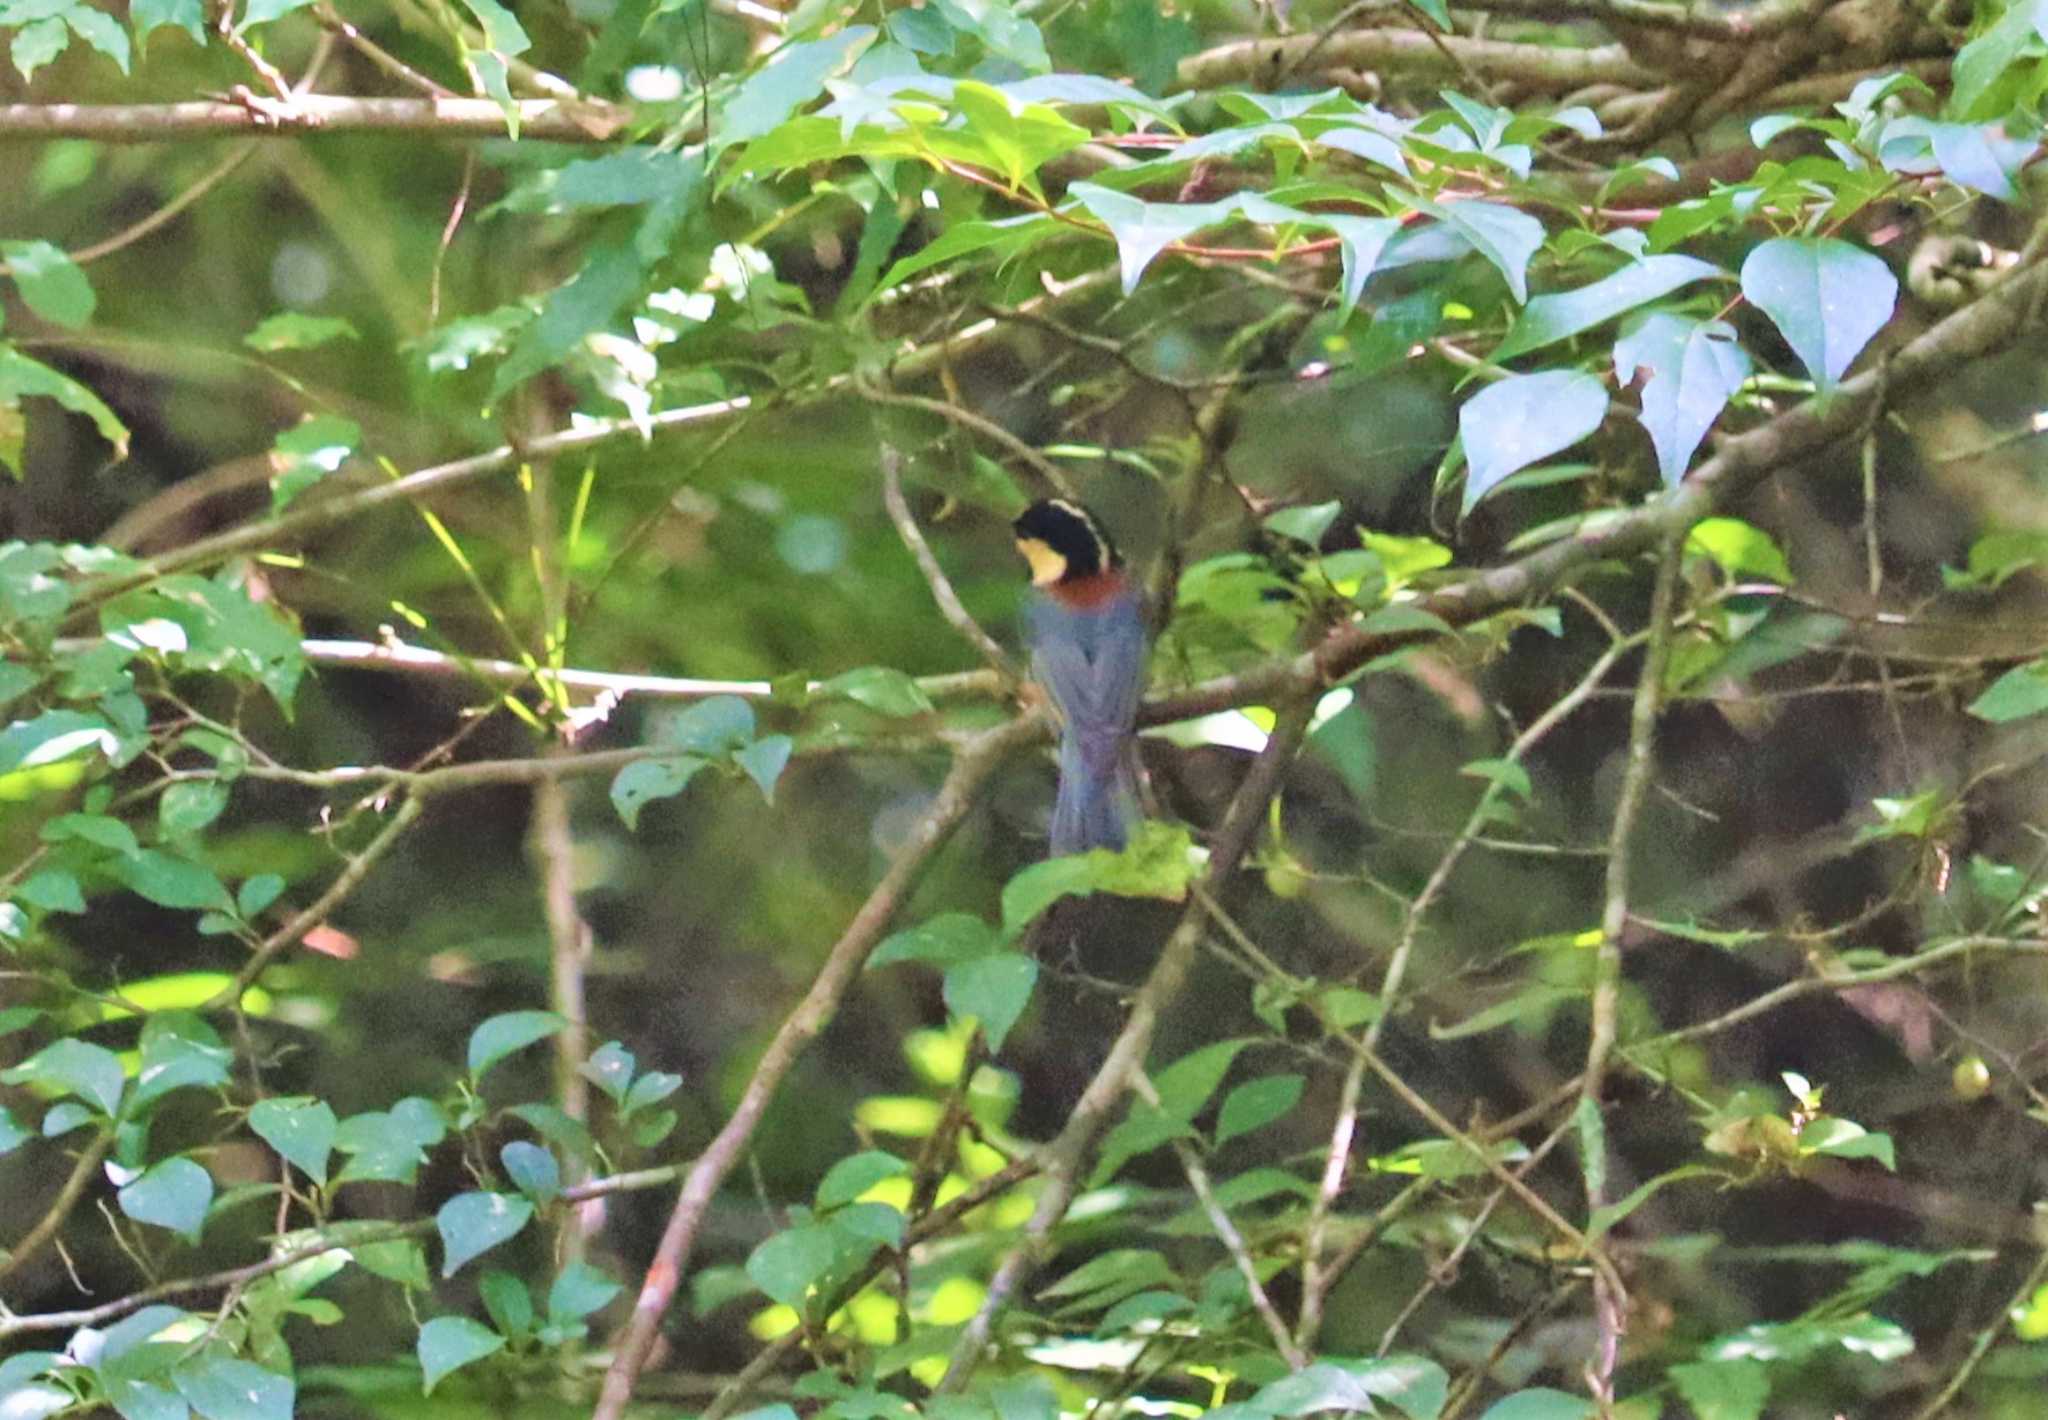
[{"x": 1063, "y": 542}]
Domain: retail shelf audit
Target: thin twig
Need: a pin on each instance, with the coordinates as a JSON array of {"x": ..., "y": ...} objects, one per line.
[
  {"x": 1610, "y": 1302},
  {"x": 345, "y": 882},
  {"x": 935, "y": 577},
  {"x": 68, "y": 1194}
]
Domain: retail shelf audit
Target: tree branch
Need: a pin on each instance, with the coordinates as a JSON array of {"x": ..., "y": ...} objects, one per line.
[
  {"x": 1417, "y": 55},
  {"x": 553, "y": 119}
]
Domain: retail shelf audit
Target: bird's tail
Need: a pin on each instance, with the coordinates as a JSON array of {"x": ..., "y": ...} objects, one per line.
[{"x": 1098, "y": 794}]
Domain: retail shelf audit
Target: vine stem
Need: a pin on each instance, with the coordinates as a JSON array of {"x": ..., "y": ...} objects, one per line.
[{"x": 1610, "y": 1301}]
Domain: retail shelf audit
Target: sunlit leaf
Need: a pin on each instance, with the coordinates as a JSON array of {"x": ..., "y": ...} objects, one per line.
[
  {"x": 173, "y": 1194},
  {"x": 1826, "y": 296},
  {"x": 73, "y": 1067},
  {"x": 993, "y": 989},
  {"x": 473, "y": 1223},
  {"x": 502, "y": 1034},
  {"x": 301, "y": 1129},
  {"x": 1522, "y": 419},
  {"x": 51, "y": 284},
  {"x": 448, "y": 1343}
]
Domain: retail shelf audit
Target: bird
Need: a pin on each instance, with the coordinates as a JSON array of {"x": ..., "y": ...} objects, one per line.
[{"x": 1085, "y": 626}]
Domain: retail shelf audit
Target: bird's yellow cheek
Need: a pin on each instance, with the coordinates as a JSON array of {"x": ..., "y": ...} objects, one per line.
[{"x": 1047, "y": 566}]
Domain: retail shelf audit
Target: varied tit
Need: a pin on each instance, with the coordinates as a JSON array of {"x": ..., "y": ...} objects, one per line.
[{"x": 1087, "y": 635}]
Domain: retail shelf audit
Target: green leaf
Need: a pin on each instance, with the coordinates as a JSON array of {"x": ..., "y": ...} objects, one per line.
[
  {"x": 719, "y": 725},
  {"x": 1973, "y": 155},
  {"x": 1540, "y": 1404},
  {"x": 1418, "y": 1386},
  {"x": 764, "y": 760},
  {"x": 100, "y": 30},
  {"x": 301, "y": 1129},
  {"x": 307, "y": 453},
  {"x": 1984, "y": 60},
  {"x": 1117, "y": 1273},
  {"x": 38, "y": 43},
  {"x": 856, "y": 1174},
  {"x": 1506, "y": 774},
  {"x": 1021, "y": 136},
  {"x": 1846, "y": 1139},
  {"x": 179, "y": 1050},
  {"x": 473, "y": 1223},
  {"x": 922, "y": 31},
  {"x": 295, "y": 330},
  {"x": 795, "y": 77},
  {"x": 170, "y": 881},
  {"x": 13, "y": 1134},
  {"x": 73, "y": 1067},
  {"x": 1827, "y": 298},
  {"x": 190, "y": 805},
  {"x": 1040, "y": 885},
  {"x": 20, "y": 376},
  {"x": 508, "y": 1302},
  {"x": 587, "y": 302},
  {"x": 579, "y": 1291},
  {"x": 646, "y": 780},
  {"x": 1723, "y": 1390},
  {"x": 51, "y": 284},
  {"x": 1505, "y": 236},
  {"x": 994, "y": 990},
  {"x": 884, "y": 690},
  {"x": 650, "y": 1088},
  {"x": 1740, "y": 549},
  {"x": 147, "y": 15},
  {"x": 173, "y": 1194},
  {"x": 1005, "y": 237},
  {"x": 502, "y": 32},
  {"x": 948, "y": 938},
  {"x": 786, "y": 1264},
  {"x": 1186, "y": 1085},
  {"x": 1523, "y": 419},
  {"x": 1144, "y": 1130},
  {"x": 224, "y": 1388},
  {"x": 1144, "y": 229},
  {"x": 257, "y": 893},
  {"x": 51, "y": 890},
  {"x": 502, "y": 1034},
  {"x": 1603, "y": 1219},
  {"x": 610, "y": 1067},
  {"x": 1549, "y": 319},
  {"x": 448, "y": 1343},
  {"x": 2020, "y": 692},
  {"x": 533, "y": 1170},
  {"x": 1532, "y": 1000},
  {"x": 1257, "y": 1103},
  {"x": 262, "y": 12},
  {"x": 1306, "y": 524}
]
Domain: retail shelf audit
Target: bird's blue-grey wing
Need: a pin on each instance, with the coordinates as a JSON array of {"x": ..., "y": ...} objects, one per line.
[{"x": 1092, "y": 664}]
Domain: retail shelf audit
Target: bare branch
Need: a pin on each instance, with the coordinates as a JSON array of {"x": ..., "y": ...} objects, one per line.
[
  {"x": 934, "y": 575},
  {"x": 553, "y": 119},
  {"x": 1417, "y": 55}
]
